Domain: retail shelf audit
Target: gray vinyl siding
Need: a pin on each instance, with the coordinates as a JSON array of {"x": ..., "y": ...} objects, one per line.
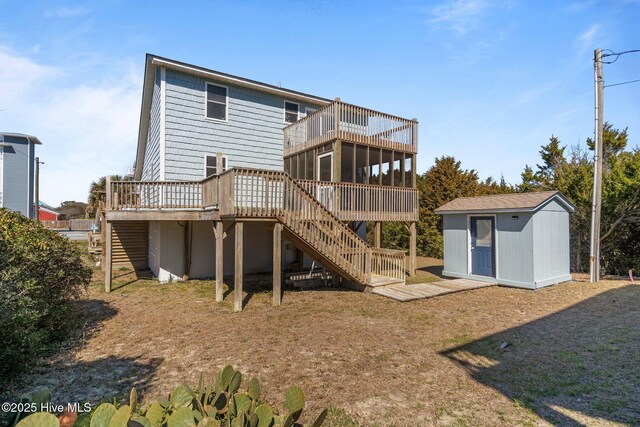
[
  {"x": 551, "y": 243},
  {"x": 251, "y": 137},
  {"x": 151, "y": 166},
  {"x": 18, "y": 175},
  {"x": 514, "y": 249},
  {"x": 455, "y": 244}
]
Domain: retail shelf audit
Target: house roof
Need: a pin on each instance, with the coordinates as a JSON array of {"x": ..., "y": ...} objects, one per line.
[
  {"x": 42, "y": 205},
  {"x": 45, "y": 206},
  {"x": 32, "y": 139},
  {"x": 209, "y": 74},
  {"x": 515, "y": 202}
]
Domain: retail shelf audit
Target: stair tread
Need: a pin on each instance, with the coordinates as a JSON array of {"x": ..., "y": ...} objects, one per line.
[{"x": 379, "y": 281}]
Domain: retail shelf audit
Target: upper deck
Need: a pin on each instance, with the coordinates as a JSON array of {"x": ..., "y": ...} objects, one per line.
[
  {"x": 205, "y": 199},
  {"x": 350, "y": 123}
]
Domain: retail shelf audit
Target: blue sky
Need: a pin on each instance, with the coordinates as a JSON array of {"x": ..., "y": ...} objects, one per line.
[{"x": 489, "y": 81}]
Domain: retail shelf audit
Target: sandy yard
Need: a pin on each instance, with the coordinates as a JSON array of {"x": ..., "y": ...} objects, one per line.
[{"x": 564, "y": 355}]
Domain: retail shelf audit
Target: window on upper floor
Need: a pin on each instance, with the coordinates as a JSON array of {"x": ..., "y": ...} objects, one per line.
[
  {"x": 217, "y": 100},
  {"x": 290, "y": 111},
  {"x": 211, "y": 166}
]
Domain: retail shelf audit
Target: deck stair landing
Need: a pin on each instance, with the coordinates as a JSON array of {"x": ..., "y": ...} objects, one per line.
[
  {"x": 380, "y": 282},
  {"x": 402, "y": 292}
]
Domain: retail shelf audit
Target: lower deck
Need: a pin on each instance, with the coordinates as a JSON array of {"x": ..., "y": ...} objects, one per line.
[{"x": 247, "y": 220}]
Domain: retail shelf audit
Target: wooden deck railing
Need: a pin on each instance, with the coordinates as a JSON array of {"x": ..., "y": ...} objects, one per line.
[
  {"x": 388, "y": 262},
  {"x": 347, "y": 201},
  {"x": 351, "y": 123},
  {"x": 362, "y": 202},
  {"x": 145, "y": 195},
  {"x": 263, "y": 193}
]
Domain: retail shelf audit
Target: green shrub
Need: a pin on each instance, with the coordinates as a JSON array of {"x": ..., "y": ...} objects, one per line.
[
  {"x": 211, "y": 405},
  {"x": 41, "y": 273}
]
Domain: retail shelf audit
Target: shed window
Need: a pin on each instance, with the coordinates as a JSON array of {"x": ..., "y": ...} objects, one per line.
[
  {"x": 217, "y": 97},
  {"x": 483, "y": 232},
  {"x": 290, "y": 112},
  {"x": 210, "y": 165}
]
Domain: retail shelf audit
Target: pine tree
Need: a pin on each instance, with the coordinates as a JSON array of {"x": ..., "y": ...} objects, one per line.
[
  {"x": 553, "y": 158},
  {"x": 529, "y": 181}
]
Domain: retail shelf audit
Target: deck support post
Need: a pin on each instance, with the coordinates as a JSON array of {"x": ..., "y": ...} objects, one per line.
[
  {"x": 377, "y": 235},
  {"x": 277, "y": 264},
  {"x": 412, "y": 249},
  {"x": 219, "y": 235},
  {"x": 186, "y": 258},
  {"x": 108, "y": 259},
  {"x": 237, "y": 297}
]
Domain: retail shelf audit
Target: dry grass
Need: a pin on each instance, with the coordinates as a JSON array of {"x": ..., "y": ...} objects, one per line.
[{"x": 570, "y": 356}]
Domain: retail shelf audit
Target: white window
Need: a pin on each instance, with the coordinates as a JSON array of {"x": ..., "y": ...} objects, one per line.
[
  {"x": 211, "y": 167},
  {"x": 216, "y": 102},
  {"x": 290, "y": 112}
]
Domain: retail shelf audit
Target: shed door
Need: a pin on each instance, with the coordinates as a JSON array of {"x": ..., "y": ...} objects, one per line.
[{"x": 482, "y": 246}]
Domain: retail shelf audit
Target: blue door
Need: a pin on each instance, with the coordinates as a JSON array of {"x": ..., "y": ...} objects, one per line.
[{"x": 482, "y": 246}]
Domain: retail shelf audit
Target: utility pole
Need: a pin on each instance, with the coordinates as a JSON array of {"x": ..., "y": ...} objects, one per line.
[
  {"x": 596, "y": 207},
  {"x": 37, "y": 190}
]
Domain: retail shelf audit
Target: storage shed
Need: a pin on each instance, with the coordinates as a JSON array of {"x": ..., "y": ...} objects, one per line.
[{"x": 519, "y": 239}]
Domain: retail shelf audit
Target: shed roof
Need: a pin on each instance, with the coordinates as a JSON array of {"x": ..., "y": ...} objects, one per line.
[{"x": 515, "y": 202}]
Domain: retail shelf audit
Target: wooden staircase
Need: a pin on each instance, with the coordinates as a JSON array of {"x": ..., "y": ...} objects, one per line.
[{"x": 255, "y": 193}]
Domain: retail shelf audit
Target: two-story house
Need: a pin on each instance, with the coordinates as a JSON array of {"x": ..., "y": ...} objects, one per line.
[
  {"x": 17, "y": 172},
  {"x": 236, "y": 176}
]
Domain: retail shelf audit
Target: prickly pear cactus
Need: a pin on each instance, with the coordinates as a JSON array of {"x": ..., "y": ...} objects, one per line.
[{"x": 217, "y": 404}]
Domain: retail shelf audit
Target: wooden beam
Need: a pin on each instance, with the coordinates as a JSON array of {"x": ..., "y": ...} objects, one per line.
[
  {"x": 277, "y": 264},
  {"x": 219, "y": 163},
  {"x": 412, "y": 249},
  {"x": 337, "y": 172},
  {"x": 164, "y": 215},
  {"x": 107, "y": 259},
  {"x": 219, "y": 235},
  {"x": 237, "y": 298},
  {"x": 186, "y": 253},
  {"x": 377, "y": 235}
]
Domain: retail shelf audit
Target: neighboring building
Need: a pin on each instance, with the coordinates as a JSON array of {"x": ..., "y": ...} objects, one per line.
[
  {"x": 17, "y": 172},
  {"x": 47, "y": 213},
  {"x": 210, "y": 168},
  {"x": 519, "y": 239}
]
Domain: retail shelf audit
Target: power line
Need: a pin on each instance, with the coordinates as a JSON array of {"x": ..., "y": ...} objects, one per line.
[
  {"x": 622, "y": 83},
  {"x": 616, "y": 54}
]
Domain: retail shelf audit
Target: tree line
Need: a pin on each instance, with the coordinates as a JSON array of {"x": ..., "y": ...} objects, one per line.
[{"x": 563, "y": 168}]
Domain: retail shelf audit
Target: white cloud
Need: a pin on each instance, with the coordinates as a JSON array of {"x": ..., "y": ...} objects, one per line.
[
  {"x": 586, "y": 40},
  {"x": 67, "y": 12},
  {"x": 19, "y": 75},
  {"x": 88, "y": 126},
  {"x": 460, "y": 16}
]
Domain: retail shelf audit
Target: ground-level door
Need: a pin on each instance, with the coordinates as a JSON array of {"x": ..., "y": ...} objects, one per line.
[{"x": 482, "y": 246}]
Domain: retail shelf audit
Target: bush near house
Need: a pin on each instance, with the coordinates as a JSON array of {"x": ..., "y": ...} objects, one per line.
[{"x": 41, "y": 273}]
